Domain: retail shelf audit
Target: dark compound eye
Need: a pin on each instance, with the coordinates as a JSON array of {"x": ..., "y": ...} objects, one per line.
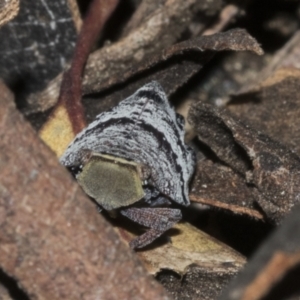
[{"x": 75, "y": 170}]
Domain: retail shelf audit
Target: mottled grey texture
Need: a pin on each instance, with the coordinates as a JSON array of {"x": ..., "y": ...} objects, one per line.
[{"x": 145, "y": 129}]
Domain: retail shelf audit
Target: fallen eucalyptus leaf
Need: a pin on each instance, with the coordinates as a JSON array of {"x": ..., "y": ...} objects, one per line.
[
  {"x": 235, "y": 40},
  {"x": 219, "y": 186},
  {"x": 172, "y": 68},
  {"x": 160, "y": 29},
  {"x": 275, "y": 170},
  {"x": 58, "y": 132},
  {"x": 285, "y": 58},
  {"x": 275, "y": 108},
  {"x": 188, "y": 256},
  {"x": 191, "y": 246}
]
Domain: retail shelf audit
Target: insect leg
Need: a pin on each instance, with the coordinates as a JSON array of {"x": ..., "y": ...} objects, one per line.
[{"x": 158, "y": 220}]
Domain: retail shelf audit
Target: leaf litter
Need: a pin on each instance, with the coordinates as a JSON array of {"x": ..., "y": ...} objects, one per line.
[{"x": 250, "y": 166}]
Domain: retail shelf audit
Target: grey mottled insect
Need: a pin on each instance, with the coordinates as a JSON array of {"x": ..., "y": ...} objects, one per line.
[{"x": 133, "y": 158}]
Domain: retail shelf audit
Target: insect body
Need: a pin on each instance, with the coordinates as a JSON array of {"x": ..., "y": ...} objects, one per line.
[{"x": 135, "y": 155}]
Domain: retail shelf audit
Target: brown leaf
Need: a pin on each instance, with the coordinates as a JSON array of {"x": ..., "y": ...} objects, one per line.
[
  {"x": 188, "y": 245},
  {"x": 212, "y": 130},
  {"x": 190, "y": 254},
  {"x": 58, "y": 131},
  {"x": 286, "y": 57},
  {"x": 172, "y": 67},
  {"x": 235, "y": 40},
  {"x": 50, "y": 229},
  {"x": 219, "y": 186},
  {"x": 275, "y": 169},
  {"x": 153, "y": 35},
  {"x": 275, "y": 109},
  {"x": 276, "y": 268}
]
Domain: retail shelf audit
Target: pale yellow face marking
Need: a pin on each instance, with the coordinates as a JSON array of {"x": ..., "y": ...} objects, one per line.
[{"x": 112, "y": 182}]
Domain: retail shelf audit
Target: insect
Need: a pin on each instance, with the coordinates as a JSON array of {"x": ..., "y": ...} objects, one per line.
[{"x": 133, "y": 159}]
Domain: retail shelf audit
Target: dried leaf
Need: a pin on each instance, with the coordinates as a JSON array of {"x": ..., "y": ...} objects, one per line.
[
  {"x": 275, "y": 108},
  {"x": 275, "y": 169},
  {"x": 58, "y": 131},
  {"x": 219, "y": 186},
  {"x": 171, "y": 68},
  {"x": 276, "y": 268},
  {"x": 151, "y": 36},
  {"x": 188, "y": 245},
  {"x": 190, "y": 254},
  {"x": 212, "y": 130},
  {"x": 235, "y": 40},
  {"x": 286, "y": 57}
]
